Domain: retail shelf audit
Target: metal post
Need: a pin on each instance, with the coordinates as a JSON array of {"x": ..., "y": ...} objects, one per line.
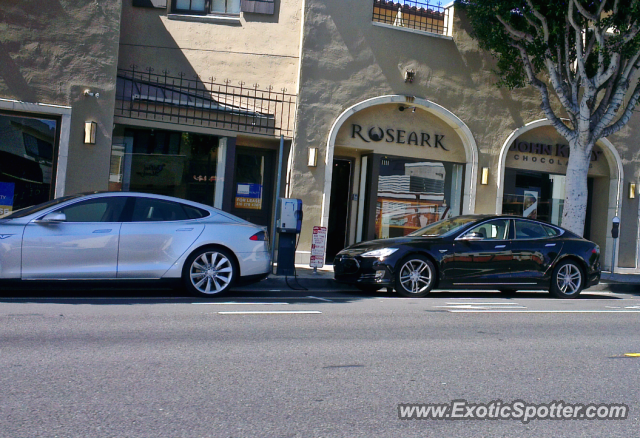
[
  {"x": 613, "y": 256},
  {"x": 273, "y": 228}
]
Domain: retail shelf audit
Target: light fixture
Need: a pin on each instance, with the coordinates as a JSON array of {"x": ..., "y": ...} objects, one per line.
[
  {"x": 90, "y": 132},
  {"x": 485, "y": 176},
  {"x": 632, "y": 190},
  {"x": 312, "y": 157}
]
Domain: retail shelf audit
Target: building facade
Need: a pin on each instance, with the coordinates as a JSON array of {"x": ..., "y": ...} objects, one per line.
[
  {"x": 402, "y": 108},
  {"x": 382, "y": 117}
]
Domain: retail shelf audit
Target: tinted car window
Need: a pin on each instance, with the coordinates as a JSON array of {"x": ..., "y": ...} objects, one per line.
[
  {"x": 194, "y": 212},
  {"x": 155, "y": 210},
  {"x": 492, "y": 230},
  {"x": 552, "y": 232},
  {"x": 95, "y": 210},
  {"x": 529, "y": 230}
]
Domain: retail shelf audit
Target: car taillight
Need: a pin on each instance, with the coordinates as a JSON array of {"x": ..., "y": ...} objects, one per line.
[{"x": 260, "y": 237}]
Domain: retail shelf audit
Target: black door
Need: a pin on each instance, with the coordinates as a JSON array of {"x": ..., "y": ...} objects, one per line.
[
  {"x": 482, "y": 255},
  {"x": 253, "y": 185},
  {"x": 338, "y": 208},
  {"x": 534, "y": 250}
]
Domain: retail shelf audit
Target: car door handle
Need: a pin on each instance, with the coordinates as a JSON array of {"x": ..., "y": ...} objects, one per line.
[
  {"x": 500, "y": 246},
  {"x": 184, "y": 229},
  {"x": 102, "y": 231},
  {"x": 550, "y": 244}
]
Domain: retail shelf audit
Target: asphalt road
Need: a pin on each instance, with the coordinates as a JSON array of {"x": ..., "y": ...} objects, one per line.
[{"x": 302, "y": 364}]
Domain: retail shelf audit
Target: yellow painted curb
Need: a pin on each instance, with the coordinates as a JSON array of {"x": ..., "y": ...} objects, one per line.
[{"x": 632, "y": 354}]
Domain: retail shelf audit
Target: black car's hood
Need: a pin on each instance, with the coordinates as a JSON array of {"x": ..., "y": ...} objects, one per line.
[{"x": 371, "y": 245}]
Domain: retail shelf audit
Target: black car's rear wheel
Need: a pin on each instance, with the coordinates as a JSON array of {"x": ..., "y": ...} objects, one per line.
[
  {"x": 416, "y": 276},
  {"x": 567, "y": 280}
]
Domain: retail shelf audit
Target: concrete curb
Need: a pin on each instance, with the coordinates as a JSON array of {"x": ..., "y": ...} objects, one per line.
[{"x": 312, "y": 283}]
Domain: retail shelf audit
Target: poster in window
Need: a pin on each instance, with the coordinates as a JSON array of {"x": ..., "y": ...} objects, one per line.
[
  {"x": 530, "y": 205},
  {"x": 249, "y": 196},
  {"x": 6, "y": 198}
]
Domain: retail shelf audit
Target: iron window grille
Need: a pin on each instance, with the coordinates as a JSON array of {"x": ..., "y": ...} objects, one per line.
[
  {"x": 180, "y": 100},
  {"x": 412, "y": 14},
  {"x": 202, "y": 7}
]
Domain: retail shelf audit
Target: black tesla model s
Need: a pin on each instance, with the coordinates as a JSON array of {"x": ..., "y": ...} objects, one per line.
[{"x": 482, "y": 252}]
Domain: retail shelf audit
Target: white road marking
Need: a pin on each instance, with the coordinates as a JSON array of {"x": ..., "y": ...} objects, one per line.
[
  {"x": 271, "y": 312},
  {"x": 542, "y": 311},
  {"x": 321, "y": 299},
  {"x": 236, "y": 303},
  {"x": 485, "y": 304},
  {"x": 470, "y": 306}
]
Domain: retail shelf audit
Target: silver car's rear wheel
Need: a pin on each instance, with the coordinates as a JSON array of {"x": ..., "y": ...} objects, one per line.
[{"x": 209, "y": 271}]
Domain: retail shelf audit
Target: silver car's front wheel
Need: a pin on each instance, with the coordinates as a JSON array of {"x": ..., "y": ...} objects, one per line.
[{"x": 209, "y": 271}]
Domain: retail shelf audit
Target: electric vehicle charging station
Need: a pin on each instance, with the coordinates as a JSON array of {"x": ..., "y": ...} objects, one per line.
[{"x": 289, "y": 224}]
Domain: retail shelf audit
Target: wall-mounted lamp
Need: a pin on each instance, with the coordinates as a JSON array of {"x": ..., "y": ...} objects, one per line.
[
  {"x": 312, "y": 157},
  {"x": 409, "y": 75},
  {"x": 91, "y": 93},
  {"x": 485, "y": 176},
  {"x": 90, "y": 132},
  {"x": 632, "y": 190}
]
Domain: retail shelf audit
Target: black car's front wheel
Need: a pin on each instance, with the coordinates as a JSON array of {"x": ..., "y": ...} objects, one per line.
[
  {"x": 567, "y": 280},
  {"x": 415, "y": 277}
]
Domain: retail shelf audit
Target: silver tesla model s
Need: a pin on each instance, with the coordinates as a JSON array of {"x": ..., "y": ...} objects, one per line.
[{"x": 132, "y": 236}]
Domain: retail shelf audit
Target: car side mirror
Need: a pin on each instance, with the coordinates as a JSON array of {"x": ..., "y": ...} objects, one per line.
[
  {"x": 473, "y": 236},
  {"x": 54, "y": 218}
]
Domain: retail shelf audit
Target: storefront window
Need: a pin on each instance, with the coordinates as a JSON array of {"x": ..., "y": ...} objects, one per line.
[
  {"x": 27, "y": 153},
  {"x": 180, "y": 164},
  {"x": 538, "y": 195},
  {"x": 253, "y": 185},
  {"x": 414, "y": 193}
]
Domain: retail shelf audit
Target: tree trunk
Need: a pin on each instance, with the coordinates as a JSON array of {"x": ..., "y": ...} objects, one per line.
[{"x": 576, "y": 192}]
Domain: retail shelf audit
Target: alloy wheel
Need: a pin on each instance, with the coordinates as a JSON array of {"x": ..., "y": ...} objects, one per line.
[
  {"x": 415, "y": 276},
  {"x": 211, "y": 272},
  {"x": 569, "y": 279}
]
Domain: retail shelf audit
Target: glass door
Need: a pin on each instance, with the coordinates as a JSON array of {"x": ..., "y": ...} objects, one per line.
[{"x": 253, "y": 185}]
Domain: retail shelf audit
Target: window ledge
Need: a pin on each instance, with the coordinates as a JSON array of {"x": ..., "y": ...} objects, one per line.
[
  {"x": 233, "y": 20},
  {"x": 408, "y": 29}
]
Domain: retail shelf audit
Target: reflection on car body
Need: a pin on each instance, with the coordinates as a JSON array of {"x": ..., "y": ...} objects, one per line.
[{"x": 132, "y": 236}]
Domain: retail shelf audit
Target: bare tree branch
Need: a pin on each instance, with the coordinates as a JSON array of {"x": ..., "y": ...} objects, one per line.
[
  {"x": 518, "y": 35},
  {"x": 626, "y": 115}
]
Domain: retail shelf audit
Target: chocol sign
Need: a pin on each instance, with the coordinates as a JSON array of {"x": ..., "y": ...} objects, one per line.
[
  {"x": 551, "y": 158},
  {"x": 400, "y": 136}
]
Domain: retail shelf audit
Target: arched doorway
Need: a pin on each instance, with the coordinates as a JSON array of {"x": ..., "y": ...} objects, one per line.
[
  {"x": 429, "y": 148},
  {"x": 532, "y": 165}
]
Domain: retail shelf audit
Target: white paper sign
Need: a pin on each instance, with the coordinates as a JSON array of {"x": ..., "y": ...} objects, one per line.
[{"x": 317, "y": 247}]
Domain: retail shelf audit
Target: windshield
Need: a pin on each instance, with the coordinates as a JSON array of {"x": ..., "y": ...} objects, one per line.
[
  {"x": 36, "y": 208},
  {"x": 444, "y": 227}
]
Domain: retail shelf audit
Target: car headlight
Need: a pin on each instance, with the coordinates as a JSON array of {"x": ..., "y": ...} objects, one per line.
[{"x": 380, "y": 253}]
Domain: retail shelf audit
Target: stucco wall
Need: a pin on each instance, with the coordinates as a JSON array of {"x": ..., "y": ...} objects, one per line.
[
  {"x": 257, "y": 49},
  {"x": 50, "y": 52},
  {"x": 346, "y": 60}
]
